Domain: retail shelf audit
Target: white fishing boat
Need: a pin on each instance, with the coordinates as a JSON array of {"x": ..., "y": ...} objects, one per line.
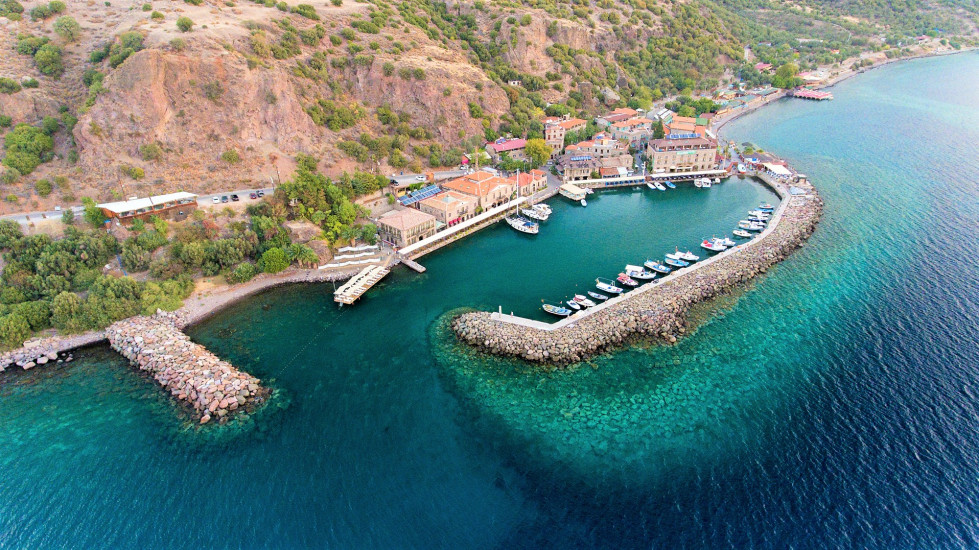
[
  {"x": 742, "y": 233},
  {"x": 742, "y": 169},
  {"x": 597, "y": 296},
  {"x": 522, "y": 224},
  {"x": 573, "y": 304},
  {"x": 676, "y": 256},
  {"x": 582, "y": 301},
  {"x": 688, "y": 256},
  {"x": 651, "y": 185},
  {"x": 717, "y": 180},
  {"x": 706, "y": 183},
  {"x": 657, "y": 267},
  {"x": 637, "y": 272},
  {"x": 541, "y": 207},
  {"x": 757, "y": 213},
  {"x": 724, "y": 241},
  {"x": 660, "y": 186},
  {"x": 766, "y": 206},
  {"x": 584, "y": 202},
  {"x": 607, "y": 285},
  {"x": 698, "y": 183},
  {"x": 589, "y": 190},
  {"x": 534, "y": 214},
  {"x": 626, "y": 280},
  {"x": 557, "y": 310},
  {"x": 750, "y": 226},
  {"x": 712, "y": 246}
]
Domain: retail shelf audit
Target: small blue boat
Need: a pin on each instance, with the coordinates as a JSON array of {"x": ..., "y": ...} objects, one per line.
[
  {"x": 657, "y": 267},
  {"x": 676, "y": 263},
  {"x": 557, "y": 310},
  {"x": 669, "y": 184}
]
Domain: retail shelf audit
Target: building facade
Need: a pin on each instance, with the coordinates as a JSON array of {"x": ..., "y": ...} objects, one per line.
[
  {"x": 514, "y": 148},
  {"x": 450, "y": 207},
  {"x": 404, "y": 227},
  {"x": 578, "y": 167},
  {"x": 528, "y": 184},
  {"x": 171, "y": 206},
  {"x": 487, "y": 189},
  {"x": 682, "y": 155},
  {"x": 555, "y": 128},
  {"x": 600, "y": 148}
]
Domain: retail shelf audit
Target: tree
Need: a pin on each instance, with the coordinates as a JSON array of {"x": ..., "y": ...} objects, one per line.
[
  {"x": 93, "y": 214},
  {"x": 48, "y": 60},
  {"x": 785, "y": 76},
  {"x": 14, "y": 329},
  {"x": 68, "y": 217},
  {"x": 274, "y": 260},
  {"x": 67, "y": 28},
  {"x": 10, "y": 233},
  {"x": 658, "y": 130},
  {"x": 185, "y": 23},
  {"x": 538, "y": 151}
]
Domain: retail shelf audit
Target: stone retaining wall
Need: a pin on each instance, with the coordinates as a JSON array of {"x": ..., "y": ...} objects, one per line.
[
  {"x": 657, "y": 312},
  {"x": 191, "y": 373}
]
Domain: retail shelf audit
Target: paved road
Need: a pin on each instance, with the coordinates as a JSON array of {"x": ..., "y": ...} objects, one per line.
[
  {"x": 202, "y": 201},
  {"x": 408, "y": 179}
]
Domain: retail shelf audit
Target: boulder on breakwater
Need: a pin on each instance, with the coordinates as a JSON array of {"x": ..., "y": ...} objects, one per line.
[
  {"x": 657, "y": 312},
  {"x": 212, "y": 387}
]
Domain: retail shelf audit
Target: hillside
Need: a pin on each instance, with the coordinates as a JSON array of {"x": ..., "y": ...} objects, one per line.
[{"x": 138, "y": 106}]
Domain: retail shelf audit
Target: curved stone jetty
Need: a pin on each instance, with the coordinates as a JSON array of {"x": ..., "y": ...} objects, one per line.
[
  {"x": 654, "y": 310},
  {"x": 192, "y": 374}
]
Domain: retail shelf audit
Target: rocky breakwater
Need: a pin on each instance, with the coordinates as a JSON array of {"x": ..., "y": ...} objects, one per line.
[
  {"x": 654, "y": 310},
  {"x": 213, "y": 388}
]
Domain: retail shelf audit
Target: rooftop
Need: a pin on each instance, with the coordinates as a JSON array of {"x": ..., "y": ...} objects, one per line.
[
  {"x": 477, "y": 184},
  {"x": 408, "y": 218},
  {"x": 149, "y": 202},
  {"x": 442, "y": 201},
  {"x": 501, "y": 146}
]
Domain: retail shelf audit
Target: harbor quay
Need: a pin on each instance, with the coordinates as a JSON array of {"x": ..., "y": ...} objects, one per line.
[
  {"x": 211, "y": 387},
  {"x": 656, "y": 310}
]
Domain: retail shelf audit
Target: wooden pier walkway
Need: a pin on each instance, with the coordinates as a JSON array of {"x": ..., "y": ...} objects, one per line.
[
  {"x": 360, "y": 283},
  {"x": 413, "y": 265}
]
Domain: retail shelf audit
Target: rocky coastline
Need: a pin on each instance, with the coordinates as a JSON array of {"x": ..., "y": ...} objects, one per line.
[
  {"x": 653, "y": 311},
  {"x": 211, "y": 387}
]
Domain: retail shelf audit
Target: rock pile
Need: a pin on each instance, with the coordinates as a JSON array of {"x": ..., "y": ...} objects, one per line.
[
  {"x": 212, "y": 387},
  {"x": 43, "y": 351},
  {"x": 657, "y": 311}
]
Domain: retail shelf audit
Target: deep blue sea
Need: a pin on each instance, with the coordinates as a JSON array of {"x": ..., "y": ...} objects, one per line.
[{"x": 832, "y": 403}]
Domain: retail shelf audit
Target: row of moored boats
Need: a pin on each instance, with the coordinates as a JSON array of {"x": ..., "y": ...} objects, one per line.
[
  {"x": 529, "y": 218},
  {"x": 651, "y": 268}
]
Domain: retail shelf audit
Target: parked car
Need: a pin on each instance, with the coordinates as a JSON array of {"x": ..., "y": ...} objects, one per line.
[
  {"x": 261, "y": 193},
  {"x": 234, "y": 198},
  {"x": 215, "y": 199},
  {"x": 419, "y": 178},
  {"x": 253, "y": 195},
  {"x": 224, "y": 198}
]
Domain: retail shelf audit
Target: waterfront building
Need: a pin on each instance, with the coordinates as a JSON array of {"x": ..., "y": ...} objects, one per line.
[
  {"x": 489, "y": 190},
  {"x": 530, "y": 183},
  {"x": 404, "y": 227},
  {"x": 617, "y": 115},
  {"x": 690, "y": 154},
  {"x": 574, "y": 168},
  {"x": 171, "y": 206},
  {"x": 599, "y": 147},
  {"x": 450, "y": 207},
  {"x": 555, "y": 128},
  {"x": 514, "y": 148}
]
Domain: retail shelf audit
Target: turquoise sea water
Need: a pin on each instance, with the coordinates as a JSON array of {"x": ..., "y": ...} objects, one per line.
[{"x": 833, "y": 403}]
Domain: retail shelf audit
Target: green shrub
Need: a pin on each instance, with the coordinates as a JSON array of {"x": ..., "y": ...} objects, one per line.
[
  {"x": 335, "y": 40},
  {"x": 194, "y": 2},
  {"x": 134, "y": 172},
  {"x": 9, "y": 86},
  {"x": 213, "y": 90},
  {"x": 67, "y": 28},
  {"x": 178, "y": 44},
  {"x": 157, "y": 16},
  {"x": 50, "y": 125},
  {"x": 349, "y": 34},
  {"x": 274, "y": 260},
  {"x": 243, "y": 272},
  {"x": 388, "y": 68},
  {"x": 30, "y": 83},
  {"x": 151, "y": 151},
  {"x": 14, "y": 329},
  {"x": 26, "y": 146},
  {"x": 40, "y": 12},
  {"x": 56, "y": 6},
  {"x": 337, "y": 3},
  {"x": 147, "y": 6},
  {"x": 43, "y": 187},
  {"x": 231, "y": 156},
  {"x": 48, "y": 60},
  {"x": 28, "y": 45},
  {"x": 185, "y": 24},
  {"x": 5, "y": 121},
  {"x": 307, "y": 11}
]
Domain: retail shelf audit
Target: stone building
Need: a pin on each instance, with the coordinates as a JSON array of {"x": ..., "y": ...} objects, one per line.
[
  {"x": 450, "y": 207},
  {"x": 487, "y": 189},
  {"x": 682, "y": 155},
  {"x": 528, "y": 184},
  {"x": 404, "y": 227}
]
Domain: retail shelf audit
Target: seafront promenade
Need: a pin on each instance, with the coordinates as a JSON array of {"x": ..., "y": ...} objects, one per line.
[{"x": 655, "y": 310}]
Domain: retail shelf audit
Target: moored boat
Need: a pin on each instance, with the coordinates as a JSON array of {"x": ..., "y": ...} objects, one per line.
[
  {"x": 741, "y": 169},
  {"x": 626, "y": 280},
  {"x": 742, "y": 233},
  {"x": 669, "y": 184},
  {"x": 676, "y": 263},
  {"x": 651, "y": 185},
  {"x": 597, "y": 296},
  {"x": 766, "y": 206},
  {"x": 582, "y": 301},
  {"x": 607, "y": 285},
  {"x": 522, "y": 224},
  {"x": 584, "y": 202},
  {"x": 717, "y": 180},
  {"x": 706, "y": 183},
  {"x": 534, "y": 213},
  {"x": 657, "y": 267},
  {"x": 589, "y": 190},
  {"x": 686, "y": 256},
  {"x": 725, "y": 241},
  {"x": 556, "y": 310},
  {"x": 541, "y": 207},
  {"x": 637, "y": 272},
  {"x": 712, "y": 246},
  {"x": 660, "y": 186},
  {"x": 573, "y": 304}
]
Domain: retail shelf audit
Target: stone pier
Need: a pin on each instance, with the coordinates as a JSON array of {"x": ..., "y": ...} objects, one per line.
[
  {"x": 655, "y": 310},
  {"x": 213, "y": 388}
]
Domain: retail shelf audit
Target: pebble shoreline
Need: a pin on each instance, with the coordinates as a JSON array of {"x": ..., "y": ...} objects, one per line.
[
  {"x": 659, "y": 312},
  {"x": 213, "y": 388}
]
